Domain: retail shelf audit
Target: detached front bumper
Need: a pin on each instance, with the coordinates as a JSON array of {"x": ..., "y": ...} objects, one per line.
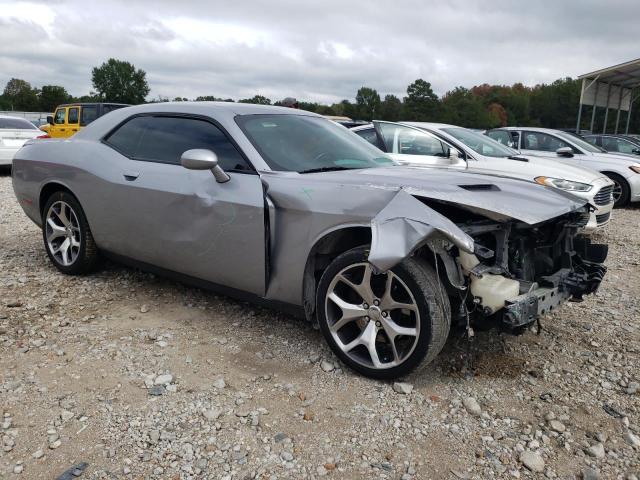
[{"x": 566, "y": 284}]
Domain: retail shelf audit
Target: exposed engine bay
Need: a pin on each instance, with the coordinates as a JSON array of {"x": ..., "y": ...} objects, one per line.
[{"x": 519, "y": 272}]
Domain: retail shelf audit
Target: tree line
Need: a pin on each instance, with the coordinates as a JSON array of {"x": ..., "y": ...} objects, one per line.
[{"x": 553, "y": 105}]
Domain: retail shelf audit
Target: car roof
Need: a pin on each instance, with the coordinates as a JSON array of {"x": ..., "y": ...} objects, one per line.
[
  {"x": 215, "y": 107},
  {"x": 82, "y": 104},
  {"x": 531, "y": 129}
]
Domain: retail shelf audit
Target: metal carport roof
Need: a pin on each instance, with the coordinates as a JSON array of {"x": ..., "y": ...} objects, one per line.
[{"x": 611, "y": 88}]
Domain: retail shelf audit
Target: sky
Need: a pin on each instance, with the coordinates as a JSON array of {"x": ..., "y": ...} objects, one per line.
[{"x": 315, "y": 51}]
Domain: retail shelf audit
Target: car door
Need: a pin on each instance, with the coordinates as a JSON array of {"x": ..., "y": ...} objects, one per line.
[
  {"x": 411, "y": 145},
  {"x": 182, "y": 220},
  {"x": 59, "y": 127},
  {"x": 73, "y": 120}
]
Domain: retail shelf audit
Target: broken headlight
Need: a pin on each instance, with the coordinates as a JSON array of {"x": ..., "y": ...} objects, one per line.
[{"x": 563, "y": 184}]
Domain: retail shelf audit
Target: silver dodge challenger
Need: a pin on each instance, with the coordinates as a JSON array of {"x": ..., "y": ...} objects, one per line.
[{"x": 289, "y": 209}]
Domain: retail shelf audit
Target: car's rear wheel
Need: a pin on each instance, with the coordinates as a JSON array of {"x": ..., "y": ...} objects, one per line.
[
  {"x": 382, "y": 326},
  {"x": 67, "y": 236},
  {"x": 621, "y": 190}
]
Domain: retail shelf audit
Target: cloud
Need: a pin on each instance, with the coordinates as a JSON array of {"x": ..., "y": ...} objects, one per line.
[{"x": 321, "y": 51}]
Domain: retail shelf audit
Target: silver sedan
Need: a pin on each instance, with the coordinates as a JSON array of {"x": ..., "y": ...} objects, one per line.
[{"x": 287, "y": 208}]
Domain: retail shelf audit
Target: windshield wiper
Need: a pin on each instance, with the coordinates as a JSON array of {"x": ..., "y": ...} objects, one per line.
[
  {"x": 326, "y": 169},
  {"x": 515, "y": 157}
]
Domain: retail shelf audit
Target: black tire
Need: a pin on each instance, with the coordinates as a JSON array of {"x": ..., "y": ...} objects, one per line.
[
  {"x": 87, "y": 256},
  {"x": 625, "y": 190},
  {"x": 432, "y": 303}
]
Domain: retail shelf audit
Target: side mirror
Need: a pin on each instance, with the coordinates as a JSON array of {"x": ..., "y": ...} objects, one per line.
[
  {"x": 565, "y": 152},
  {"x": 50, "y": 119},
  {"x": 636, "y": 151},
  {"x": 201, "y": 159}
]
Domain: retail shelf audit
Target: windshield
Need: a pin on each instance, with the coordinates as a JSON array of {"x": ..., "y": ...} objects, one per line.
[
  {"x": 480, "y": 143},
  {"x": 579, "y": 142},
  {"x": 300, "y": 143},
  {"x": 16, "y": 124}
]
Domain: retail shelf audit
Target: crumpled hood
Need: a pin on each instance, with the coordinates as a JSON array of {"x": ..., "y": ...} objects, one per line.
[{"x": 491, "y": 195}]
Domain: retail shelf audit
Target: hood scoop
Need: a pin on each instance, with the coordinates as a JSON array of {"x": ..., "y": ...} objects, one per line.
[{"x": 481, "y": 187}]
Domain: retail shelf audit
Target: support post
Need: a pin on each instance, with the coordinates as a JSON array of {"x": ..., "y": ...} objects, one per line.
[
  {"x": 580, "y": 108},
  {"x": 606, "y": 109},
  {"x": 619, "y": 105},
  {"x": 626, "y": 130},
  {"x": 595, "y": 107}
]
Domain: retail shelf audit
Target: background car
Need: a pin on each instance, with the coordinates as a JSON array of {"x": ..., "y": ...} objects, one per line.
[
  {"x": 14, "y": 132},
  {"x": 432, "y": 144},
  {"x": 624, "y": 170},
  {"x": 615, "y": 143},
  {"x": 69, "y": 119},
  {"x": 296, "y": 211}
]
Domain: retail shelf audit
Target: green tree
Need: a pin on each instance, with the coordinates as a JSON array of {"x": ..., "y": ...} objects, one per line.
[
  {"x": 391, "y": 108},
  {"x": 119, "y": 81},
  {"x": 18, "y": 95},
  {"x": 51, "y": 96},
  {"x": 461, "y": 107},
  {"x": 368, "y": 103},
  {"x": 257, "y": 99},
  {"x": 206, "y": 98},
  {"x": 421, "y": 103}
]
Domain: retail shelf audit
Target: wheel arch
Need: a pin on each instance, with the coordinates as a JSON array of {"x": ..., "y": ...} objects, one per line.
[
  {"x": 49, "y": 189},
  {"x": 327, "y": 247}
]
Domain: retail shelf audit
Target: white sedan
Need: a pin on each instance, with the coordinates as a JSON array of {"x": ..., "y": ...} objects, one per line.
[
  {"x": 448, "y": 146},
  {"x": 14, "y": 132}
]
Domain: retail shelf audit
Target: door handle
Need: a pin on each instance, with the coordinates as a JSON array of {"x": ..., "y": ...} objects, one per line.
[{"x": 131, "y": 176}]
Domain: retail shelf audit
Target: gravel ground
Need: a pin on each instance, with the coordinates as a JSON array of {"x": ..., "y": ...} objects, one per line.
[{"x": 141, "y": 377}]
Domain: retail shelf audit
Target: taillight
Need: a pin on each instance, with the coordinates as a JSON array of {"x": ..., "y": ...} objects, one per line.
[{"x": 43, "y": 136}]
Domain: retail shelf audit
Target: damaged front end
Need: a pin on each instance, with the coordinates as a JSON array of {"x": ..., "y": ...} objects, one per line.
[
  {"x": 503, "y": 271},
  {"x": 526, "y": 271}
]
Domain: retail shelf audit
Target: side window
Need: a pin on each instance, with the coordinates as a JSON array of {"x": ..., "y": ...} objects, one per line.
[
  {"x": 72, "y": 118},
  {"x": 592, "y": 140},
  {"x": 110, "y": 108},
  {"x": 88, "y": 114},
  {"x": 501, "y": 136},
  {"x": 542, "y": 142},
  {"x": 61, "y": 113},
  {"x": 165, "y": 139},
  {"x": 409, "y": 141},
  {"x": 617, "y": 145},
  {"x": 371, "y": 136}
]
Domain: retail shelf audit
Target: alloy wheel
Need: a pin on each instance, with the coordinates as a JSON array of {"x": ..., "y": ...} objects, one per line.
[
  {"x": 617, "y": 191},
  {"x": 62, "y": 231},
  {"x": 374, "y": 319}
]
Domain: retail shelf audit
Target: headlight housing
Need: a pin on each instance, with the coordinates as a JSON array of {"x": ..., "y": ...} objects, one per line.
[
  {"x": 562, "y": 184},
  {"x": 635, "y": 168}
]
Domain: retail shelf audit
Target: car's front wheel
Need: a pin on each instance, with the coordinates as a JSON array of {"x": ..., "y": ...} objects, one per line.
[
  {"x": 67, "y": 236},
  {"x": 621, "y": 190},
  {"x": 383, "y": 326}
]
